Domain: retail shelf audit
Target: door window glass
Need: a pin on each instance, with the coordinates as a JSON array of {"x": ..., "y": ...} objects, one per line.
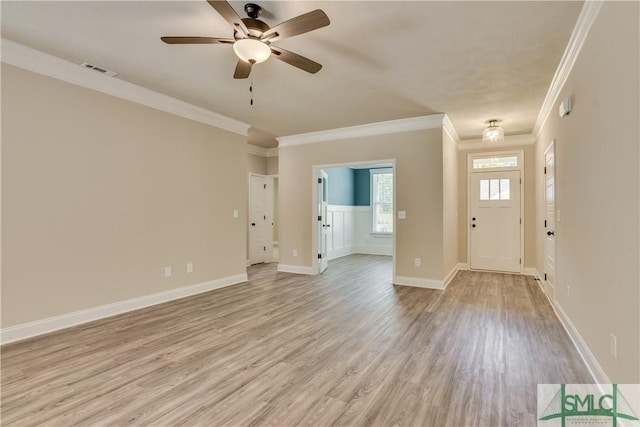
[{"x": 495, "y": 189}]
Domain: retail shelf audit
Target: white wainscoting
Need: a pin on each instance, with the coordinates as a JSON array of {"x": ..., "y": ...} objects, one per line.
[
  {"x": 350, "y": 233},
  {"x": 341, "y": 234},
  {"x": 367, "y": 243}
]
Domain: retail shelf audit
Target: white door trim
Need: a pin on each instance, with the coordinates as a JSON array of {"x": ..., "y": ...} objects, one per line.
[{"x": 520, "y": 167}]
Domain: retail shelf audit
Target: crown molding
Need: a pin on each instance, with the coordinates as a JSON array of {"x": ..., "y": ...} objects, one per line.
[
  {"x": 509, "y": 141},
  {"x": 39, "y": 62},
  {"x": 380, "y": 128},
  {"x": 588, "y": 15},
  {"x": 450, "y": 130},
  {"x": 262, "y": 151}
]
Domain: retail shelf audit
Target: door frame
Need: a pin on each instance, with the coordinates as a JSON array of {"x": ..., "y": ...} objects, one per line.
[
  {"x": 550, "y": 147},
  {"x": 315, "y": 169},
  {"x": 520, "y": 167}
]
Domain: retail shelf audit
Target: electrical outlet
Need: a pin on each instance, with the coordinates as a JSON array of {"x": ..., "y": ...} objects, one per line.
[
  {"x": 614, "y": 346},
  {"x": 417, "y": 262},
  {"x": 167, "y": 271},
  {"x": 190, "y": 267},
  {"x": 295, "y": 252},
  {"x": 235, "y": 213}
]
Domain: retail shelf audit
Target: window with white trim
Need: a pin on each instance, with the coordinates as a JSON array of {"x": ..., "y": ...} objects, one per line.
[
  {"x": 494, "y": 162},
  {"x": 382, "y": 200}
]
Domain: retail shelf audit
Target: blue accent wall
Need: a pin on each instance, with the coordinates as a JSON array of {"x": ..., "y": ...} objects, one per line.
[
  {"x": 341, "y": 186},
  {"x": 362, "y": 187}
]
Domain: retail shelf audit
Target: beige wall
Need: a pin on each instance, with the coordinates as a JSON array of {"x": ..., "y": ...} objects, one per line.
[
  {"x": 419, "y": 187},
  {"x": 100, "y": 194},
  {"x": 256, "y": 164},
  {"x": 272, "y": 166},
  {"x": 597, "y": 190},
  {"x": 450, "y": 203},
  {"x": 529, "y": 187}
]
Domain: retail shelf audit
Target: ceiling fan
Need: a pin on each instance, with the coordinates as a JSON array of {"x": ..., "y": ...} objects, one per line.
[{"x": 252, "y": 38}]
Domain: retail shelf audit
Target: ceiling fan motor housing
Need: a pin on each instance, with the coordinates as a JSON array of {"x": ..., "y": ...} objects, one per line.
[
  {"x": 252, "y": 10},
  {"x": 255, "y": 27}
]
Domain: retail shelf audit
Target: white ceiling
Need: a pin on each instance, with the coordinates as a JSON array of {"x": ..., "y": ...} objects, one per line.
[{"x": 383, "y": 60}]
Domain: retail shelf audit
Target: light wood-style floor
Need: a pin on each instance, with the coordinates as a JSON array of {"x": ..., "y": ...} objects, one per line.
[{"x": 343, "y": 348}]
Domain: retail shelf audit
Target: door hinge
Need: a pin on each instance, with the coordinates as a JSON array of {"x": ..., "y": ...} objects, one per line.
[
  {"x": 319, "y": 218},
  {"x": 319, "y": 256},
  {"x": 545, "y": 276},
  {"x": 319, "y": 180},
  {"x": 265, "y": 217},
  {"x": 520, "y": 180},
  {"x": 545, "y": 170},
  {"x": 545, "y": 223},
  {"x": 520, "y": 221},
  {"x": 265, "y": 186},
  {"x": 265, "y": 248},
  {"x": 520, "y": 262}
]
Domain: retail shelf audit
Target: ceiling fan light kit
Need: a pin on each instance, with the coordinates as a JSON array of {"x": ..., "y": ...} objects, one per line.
[
  {"x": 493, "y": 132},
  {"x": 252, "y": 50},
  {"x": 252, "y": 38}
]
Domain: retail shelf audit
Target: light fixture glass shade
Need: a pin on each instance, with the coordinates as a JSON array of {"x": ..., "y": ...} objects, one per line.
[
  {"x": 252, "y": 50},
  {"x": 493, "y": 133}
]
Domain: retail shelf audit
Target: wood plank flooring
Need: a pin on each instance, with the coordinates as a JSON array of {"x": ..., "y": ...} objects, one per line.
[{"x": 345, "y": 348}]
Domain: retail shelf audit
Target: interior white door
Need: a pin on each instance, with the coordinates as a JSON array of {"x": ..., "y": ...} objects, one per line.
[
  {"x": 323, "y": 224},
  {"x": 257, "y": 220},
  {"x": 549, "y": 222},
  {"x": 495, "y": 221}
]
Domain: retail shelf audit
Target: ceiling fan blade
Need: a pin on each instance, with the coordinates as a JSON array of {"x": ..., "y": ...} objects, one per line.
[
  {"x": 196, "y": 40},
  {"x": 226, "y": 11},
  {"x": 243, "y": 69},
  {"x": 296, "y": 60},
  {"x": 298, "y": 25}
]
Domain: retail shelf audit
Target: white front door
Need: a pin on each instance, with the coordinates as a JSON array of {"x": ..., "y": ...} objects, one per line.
[
  {"x": 549, "y": 222},
  {"x": 495, "y": 221},
  {"x": 322, "y": 220},
  {"x": 257, "y": 220}
]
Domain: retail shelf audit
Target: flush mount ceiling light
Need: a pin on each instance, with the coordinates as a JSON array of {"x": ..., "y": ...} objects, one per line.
[
  {"x": 493, "y": 133},
  {"x": 252, "y": 50}
]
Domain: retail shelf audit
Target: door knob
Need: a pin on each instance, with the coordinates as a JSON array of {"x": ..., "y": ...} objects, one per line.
[{"x": 551, "y": 233}]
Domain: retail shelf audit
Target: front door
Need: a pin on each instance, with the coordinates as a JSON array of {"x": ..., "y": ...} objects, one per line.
[
  {"x": 549, "y": 222},
  {"x": 495, "y": 221}
]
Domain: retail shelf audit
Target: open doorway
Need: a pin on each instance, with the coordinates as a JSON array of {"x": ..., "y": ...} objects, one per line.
[{"x": 354, "y": 211}]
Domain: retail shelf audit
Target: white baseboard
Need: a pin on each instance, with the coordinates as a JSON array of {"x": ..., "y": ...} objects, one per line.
[
  {"x": 418, "y": 282},
  {"x": 596, "y": 371},
  {"x": 339, "y": 253},
  {"x": 296, "y": 269},
  {"x": 51, "y": 324},
  {"x": 462, "y": 266},
  {"x": 449, "y": 277},
  {"x": 373, "y": 250}
]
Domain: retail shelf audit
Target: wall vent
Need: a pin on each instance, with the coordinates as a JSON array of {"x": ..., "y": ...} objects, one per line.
[{"x": 99, "y": 69}]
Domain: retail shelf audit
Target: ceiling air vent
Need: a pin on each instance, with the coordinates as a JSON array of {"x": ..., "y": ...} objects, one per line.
[{"x": 99, "y": 69}]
